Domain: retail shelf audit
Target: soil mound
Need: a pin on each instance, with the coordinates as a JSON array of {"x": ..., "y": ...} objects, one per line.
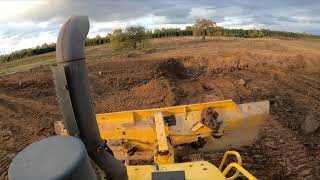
[{"x": 156, "y": 91}]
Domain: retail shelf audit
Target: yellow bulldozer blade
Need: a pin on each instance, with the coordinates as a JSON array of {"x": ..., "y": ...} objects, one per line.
[
  {"x": 242, "y": 128},
  {"x": 146, "y": 131}
]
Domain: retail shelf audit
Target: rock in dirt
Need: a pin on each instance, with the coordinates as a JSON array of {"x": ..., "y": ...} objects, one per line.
[
  {"x": 310, "y": 124},
  {"x": 242, "y": 82},
  {"x": 5, "y": 135}
]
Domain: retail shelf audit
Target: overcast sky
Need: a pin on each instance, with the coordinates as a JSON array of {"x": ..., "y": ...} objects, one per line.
[{"x": 27, "y": 23}]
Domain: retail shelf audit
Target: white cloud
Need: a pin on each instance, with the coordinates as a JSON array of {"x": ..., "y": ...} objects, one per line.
[
  {"x": 10, "y": 9},
  {"x": 150, "y": 19},
  {"x": 203, "y": 12},
  {"x": 240, "y": 22},
  {"x": 305, "y": 19},
  {"x": 150, "y": 22},
  {"x": 21, "y": 35},
  {"x": 215, "y": 12},
  {"x": 16, "y": 42},
  {"x": 100, "y": 28},
  {"x": 27, "y": 23}
]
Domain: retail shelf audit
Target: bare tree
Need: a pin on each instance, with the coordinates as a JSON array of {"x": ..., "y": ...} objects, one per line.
[{"x": 203, "y": 26}]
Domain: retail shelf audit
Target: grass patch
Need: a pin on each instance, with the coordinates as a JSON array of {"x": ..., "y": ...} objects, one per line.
[{"x": 27, "y": 63}]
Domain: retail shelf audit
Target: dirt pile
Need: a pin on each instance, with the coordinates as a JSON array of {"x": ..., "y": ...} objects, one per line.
[
  {"x": 153, "y": 94},
  {"x": 156, "y": 91}
]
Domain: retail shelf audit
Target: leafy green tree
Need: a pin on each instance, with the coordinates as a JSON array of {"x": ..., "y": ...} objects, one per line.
[
  {"x": 135, "y": 36},
  {"x": 117, "y": 39}
]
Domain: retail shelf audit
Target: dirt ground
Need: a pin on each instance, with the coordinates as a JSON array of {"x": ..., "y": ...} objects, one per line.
[{"x": 182, "y": 71}]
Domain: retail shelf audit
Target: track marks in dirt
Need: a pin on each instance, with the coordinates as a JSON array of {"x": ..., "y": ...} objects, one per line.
[
  {"x": 5, "y": 157},
  {"x": 284, "y": 151},
  {"x": 117, "y": 76},
  {"x": 277, "y": 154},
  {"x": 23, "y": 121},
  {"x": 156, "y": 93}
]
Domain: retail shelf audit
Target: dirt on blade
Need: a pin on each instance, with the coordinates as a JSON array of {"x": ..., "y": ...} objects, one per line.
[{"x": 285, "y": 72}]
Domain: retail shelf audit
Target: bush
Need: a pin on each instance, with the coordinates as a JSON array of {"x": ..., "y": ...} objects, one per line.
[
  {"x": 117, "y": 39},
  {"x": 134, "y": 37}
]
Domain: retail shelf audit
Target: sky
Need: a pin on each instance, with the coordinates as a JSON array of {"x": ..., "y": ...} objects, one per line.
[{"x": 28, "y": 23}]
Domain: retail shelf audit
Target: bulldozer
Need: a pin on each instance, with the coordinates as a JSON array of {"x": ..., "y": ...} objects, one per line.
[{"x": 117, "y": 145}]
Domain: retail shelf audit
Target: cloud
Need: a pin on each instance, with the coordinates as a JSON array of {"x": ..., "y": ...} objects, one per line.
[
  {"x": 27, "y": 23},
  {"x": 241, "y": 22},
  {"x": 16, "y": 42},
  {"x": 12, "y": 37},
  {"x": 149, "y": 22},
  {"x": 13, "y": 9},
  {"x": 98, "y": 10},
  {"x": 203, "y": 12},
  {"x": 300, "y": 19}
]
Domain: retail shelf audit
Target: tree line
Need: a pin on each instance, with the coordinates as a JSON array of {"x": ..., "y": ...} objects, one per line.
[
  {"x": 135, "y": 36},
  {"x": 159, "y": 33},
  {"x": 132, "y": 37},
  {"x": 46, "y": 48}
]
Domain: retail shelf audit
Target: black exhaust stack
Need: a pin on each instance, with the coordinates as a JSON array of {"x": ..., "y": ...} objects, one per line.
[{"x": 71, "y": 81}]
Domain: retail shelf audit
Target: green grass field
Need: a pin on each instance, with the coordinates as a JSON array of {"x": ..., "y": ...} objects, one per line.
[{"x": 92, "y": 53}]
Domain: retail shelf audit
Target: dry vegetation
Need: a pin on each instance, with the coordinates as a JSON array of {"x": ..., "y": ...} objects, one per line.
[{"x": 175, "y": 71}]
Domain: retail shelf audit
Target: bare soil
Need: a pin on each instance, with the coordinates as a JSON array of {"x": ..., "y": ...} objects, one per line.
[{"x": 285, "y": 72}]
